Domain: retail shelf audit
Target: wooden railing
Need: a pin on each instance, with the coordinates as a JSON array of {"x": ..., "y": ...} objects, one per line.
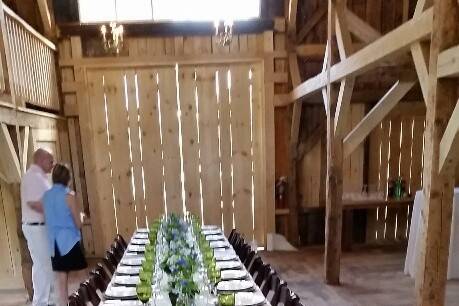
[{"x": 30, "y": 74}]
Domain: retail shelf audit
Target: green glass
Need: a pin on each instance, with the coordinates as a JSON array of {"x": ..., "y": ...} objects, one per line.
[
  {"x": 226, "y": 299},
  {"x": 145, "y": 275},
  {"x": 143, "y": 290}
]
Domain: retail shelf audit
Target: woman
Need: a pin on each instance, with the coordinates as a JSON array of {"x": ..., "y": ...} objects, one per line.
[{"x": 63, "y": 222}]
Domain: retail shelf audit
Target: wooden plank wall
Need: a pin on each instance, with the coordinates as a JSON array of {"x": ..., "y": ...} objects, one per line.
[
  {"x": 395, "y": 150},
  {"x": 311, "y": 176},
  {"x": 143, "y": 183}
]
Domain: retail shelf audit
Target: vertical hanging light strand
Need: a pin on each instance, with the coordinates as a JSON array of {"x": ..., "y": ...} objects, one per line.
[
  {"x": 217, "y": 91},
  {"x": 107, "y": 129},
  {"x": 141, "y": 149},
  {"x": 251, "y": 151},
  {"x": 196, "y": 100},
  {"x": 179, "y": 119},
  {"x": 126, "y": 100},
  {"x": 158, "y": 94},
  {"x": 387, "y": 177},
  {"x": 231, "y": 143}
]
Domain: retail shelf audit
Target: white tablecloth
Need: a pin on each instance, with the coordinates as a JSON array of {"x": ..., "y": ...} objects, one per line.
[{"x": 415, "y": 235}]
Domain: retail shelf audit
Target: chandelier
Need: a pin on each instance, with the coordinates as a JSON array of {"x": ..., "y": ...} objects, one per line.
[
  {"x": 224, "y": 32},
  {"x": 112, "y": 39}
]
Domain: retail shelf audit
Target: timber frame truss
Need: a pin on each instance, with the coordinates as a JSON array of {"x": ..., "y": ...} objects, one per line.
[{"x": 431, "y": 39}]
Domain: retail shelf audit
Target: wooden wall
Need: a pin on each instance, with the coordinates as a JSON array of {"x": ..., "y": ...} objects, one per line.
[{"x": 186, "y": 68}]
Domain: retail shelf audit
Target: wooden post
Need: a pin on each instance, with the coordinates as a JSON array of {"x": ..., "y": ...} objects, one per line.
[
  {"x": 334, "y": 178},
  {"x": 438, "y": 189}
]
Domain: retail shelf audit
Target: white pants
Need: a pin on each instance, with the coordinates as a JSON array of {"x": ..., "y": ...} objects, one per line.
[{"x": 42, "y": 271}]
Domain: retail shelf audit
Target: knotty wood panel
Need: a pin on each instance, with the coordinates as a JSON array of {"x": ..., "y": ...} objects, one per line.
[{"x": 209, "y": 141}]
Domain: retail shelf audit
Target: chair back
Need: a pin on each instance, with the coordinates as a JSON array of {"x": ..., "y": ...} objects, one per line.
[
  {"x": 100, "y": 270},
  {"x": 109, "y": 264},
  {"x": 231, "y": 236},
  {"x": 285, "y": 297},
  {"x": 244, "y": 252},
  {"x": 274, "y": 289},
  {"x": 121, "y": 240},
  {"x": 111, "y": 258},
  {"x": 256, "y": 265},
  {"x": 91, "y": 290},
  {"x": 117, "y": 250},
  {"x": 75, "y": 300},
  {"x": 263, "y": 274},
  {"x": 249, "y": 259}
]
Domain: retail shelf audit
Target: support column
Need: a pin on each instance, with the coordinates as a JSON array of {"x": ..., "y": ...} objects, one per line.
[
  {"x": 438, "y": 189},
  {"x": 334, "y": 177}
]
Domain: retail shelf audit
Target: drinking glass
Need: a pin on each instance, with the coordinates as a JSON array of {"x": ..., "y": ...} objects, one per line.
[
  {"x": 143, "y": 290},
  {"x": 226, "y": 299}
]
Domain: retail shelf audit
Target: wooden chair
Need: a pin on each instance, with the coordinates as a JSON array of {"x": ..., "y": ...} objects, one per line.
[
  {"x": 245, "y": 252},
  {"x": 108, "y": 264},
  {"x": 255, "y": 266},
  {"x": 248, "y": 261},
  {"x": 117, "y": 250},
  {"x": 121, "y": 240},
  {"x": 285, "y": 296},
  {"x": 91, "y": 290},
  {"x": 272, "y": 289},
  {"x": 75, "y": 300},
  {"x": 101, "y": 277},
  {"x": 263, "y": 274},
  {"x": 231, "y": 236},
  {"x": 111, "y": 258}
]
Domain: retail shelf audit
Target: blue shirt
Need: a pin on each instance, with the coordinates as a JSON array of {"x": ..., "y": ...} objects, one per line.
[{"x": 62, "y": 230}]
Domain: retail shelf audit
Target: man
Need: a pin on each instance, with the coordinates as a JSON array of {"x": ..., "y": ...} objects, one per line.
[{"x": 34, "y": 184}]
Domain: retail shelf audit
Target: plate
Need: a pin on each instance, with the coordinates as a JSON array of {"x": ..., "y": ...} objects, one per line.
[
  {"x": 140, "y": 236},
  {"x": 126, "y": 280},
  {"x": 128, "y": 270},
  {"x": 136, "y": 248},
  {"x": 228, "y": 265},
  {"x": 121, "y": 293},
  {"x": 209, "y": 227},
  {"x": 249, "y": 298},
  {"x": 131, "y": 260},
  {"x": 212, "y": 232},
  {"x": 138, "y": 241},
  {"x": 223, "y": 256},
  {"x": 215, "y": 238},
  {"x": 233, "y": 274},
  {"x": 218, "y": 244},
  {"x": 142, "y": 230},
  {"x": 234, "y": 285}
]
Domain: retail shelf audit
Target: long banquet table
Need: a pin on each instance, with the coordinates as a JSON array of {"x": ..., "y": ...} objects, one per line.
[{"x": 121, "y": 290}]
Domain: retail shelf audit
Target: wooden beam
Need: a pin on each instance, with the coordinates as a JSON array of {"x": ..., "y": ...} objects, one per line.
[
  {"x": 388, "y": 45},
  {"x": 9, "y": 162},
  {"x": 311, "y": 23},
  {"x": 375, "y": 116},
  {"x": 438, "y": 187},
  {"x": 448, "y": 63},
  {"x": 419, "y": 52},
  {"x": 291, "y": 20},
  {"x": 306, "y": 146},
  {"x": 47, "y": 18},
  {"x": 362, "y": 30},
  {"x": 449, "y": 144},
  {"x": 344, "y": 99}
]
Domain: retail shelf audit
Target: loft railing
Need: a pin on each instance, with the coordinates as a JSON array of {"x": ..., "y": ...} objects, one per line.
[{"x": 29, "y": 75}]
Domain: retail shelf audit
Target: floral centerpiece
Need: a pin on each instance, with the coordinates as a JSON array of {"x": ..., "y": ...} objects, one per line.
[{"x": 179, "y": 261}]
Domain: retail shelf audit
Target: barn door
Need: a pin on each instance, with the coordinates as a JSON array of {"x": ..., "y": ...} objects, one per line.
[{"x": 175, "y": 139}]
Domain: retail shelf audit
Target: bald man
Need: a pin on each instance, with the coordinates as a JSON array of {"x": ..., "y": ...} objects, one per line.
[{"x": 33, "y": 185}]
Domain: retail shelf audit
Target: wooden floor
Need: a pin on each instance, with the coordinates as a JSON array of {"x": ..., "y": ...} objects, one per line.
[{"x": 368, "y": 278}]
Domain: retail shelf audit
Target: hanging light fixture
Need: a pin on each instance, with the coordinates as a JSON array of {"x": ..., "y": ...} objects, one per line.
[
  {"x": 112, "y": 37},
  {"x": 224, "y": 32}
]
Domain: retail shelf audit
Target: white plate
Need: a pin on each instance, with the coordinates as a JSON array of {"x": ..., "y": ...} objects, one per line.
[
  {"x": 234, "y": 285},
  {"x": 128, "y": 270},
  {"x": 233, "y": 274},
  {"x": 140, "y": 236},
  {"x": 224, "y": 252},
  {"x": 220, "y": 256},
  {"x": 218, "y": 244},
  {"x": 227, "y": 265},
  {"x": 136, "y": 248},
  {"x": 139, "y": 241},
  {"x": 209, "y": 227},
  {"x": 212, "y": 231},
  {"x": 114, "y": 292},
  {"x": 249, "y": 298},
  {"x": 142, "y": 230},
  {"x": 126, "y": 280},
  {"x": 121, "y": 303},
  {"x": 132, "y": 260},
  {"x": 215, "y": 238}
]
